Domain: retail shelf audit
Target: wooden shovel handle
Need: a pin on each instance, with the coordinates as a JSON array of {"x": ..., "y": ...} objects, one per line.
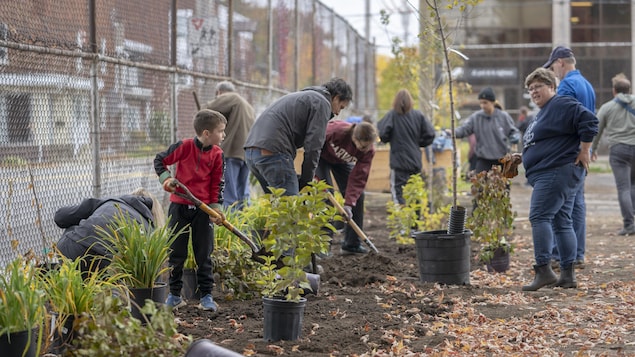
[
  {"x": 351, "y": 223},
  {"x": 187, "y": 194}
]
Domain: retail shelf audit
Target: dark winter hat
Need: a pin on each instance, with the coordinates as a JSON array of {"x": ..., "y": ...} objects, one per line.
[
  {"x": 558, "y": 52},
  {"x": 487, "y": 94}
]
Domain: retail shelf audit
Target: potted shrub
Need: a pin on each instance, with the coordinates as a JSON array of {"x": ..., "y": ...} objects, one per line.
[
  {"x": 71, "y": 295},
  {"x": 138, "y": 255},
  {"x": 492, "y": 218},
  {"x": 298, "y": 228},
  {"x": 22, "y": 309},
  {"x": 235, "y": 268}
]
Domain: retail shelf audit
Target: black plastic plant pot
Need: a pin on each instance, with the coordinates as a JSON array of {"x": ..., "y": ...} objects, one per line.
[
  {"x": 283, "y": 319},
  {"x": 138, "y": 297},
  {"x": 443, "y": 258},
  {"x": 22, "y": 343}
]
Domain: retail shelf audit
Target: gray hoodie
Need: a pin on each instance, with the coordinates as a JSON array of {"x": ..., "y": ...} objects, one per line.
[
  {"x": 616, "y": 121},
  {"x": 492, "y": 133},
  {"x": 296, "y": 120}
]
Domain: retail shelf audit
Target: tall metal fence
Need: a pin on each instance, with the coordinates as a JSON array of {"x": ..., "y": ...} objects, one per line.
[{"x": 90, "y": 91}]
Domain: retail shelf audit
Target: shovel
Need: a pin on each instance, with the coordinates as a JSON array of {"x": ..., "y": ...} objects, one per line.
[
  {"x": 352, "y": 223},
  {"x": 187, "y": 194},
  {"x": 314, "y": 279}
]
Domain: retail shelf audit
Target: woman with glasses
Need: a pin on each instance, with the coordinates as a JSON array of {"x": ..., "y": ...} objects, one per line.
[{"x": 556, "y": 158}]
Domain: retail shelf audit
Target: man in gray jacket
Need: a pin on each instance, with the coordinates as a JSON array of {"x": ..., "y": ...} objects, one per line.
[
  {"x": 617, "y": 120},
  {"x": 296, "y": 120}
]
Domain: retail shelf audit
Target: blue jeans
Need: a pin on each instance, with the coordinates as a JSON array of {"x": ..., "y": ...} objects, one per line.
[
  {"x": 236, "y": 183},
  {"x": 275, "y": 170},
  {"x": 578, "y": 215},
  {"x": 622, "y": 160},
  {"x": 550, "y": 212}
]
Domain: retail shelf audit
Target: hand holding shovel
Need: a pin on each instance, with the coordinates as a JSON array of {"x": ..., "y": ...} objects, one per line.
[{"x": 352, "y": 223}]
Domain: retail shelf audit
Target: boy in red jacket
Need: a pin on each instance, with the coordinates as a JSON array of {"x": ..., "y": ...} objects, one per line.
[{"x": 199, "y": 166}]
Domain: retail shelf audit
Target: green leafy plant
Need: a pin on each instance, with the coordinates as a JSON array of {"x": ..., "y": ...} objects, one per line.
[
  {"x": 115, "y": 333},
  {"x": 415, "y": 214},
  {"x": 238, "y": 273},
  {"x": 22, "y": 300},
  {"x": 298, "y": 228},
  {"x": 492, "y": 219},
  {"x": 138, "y": 254}
]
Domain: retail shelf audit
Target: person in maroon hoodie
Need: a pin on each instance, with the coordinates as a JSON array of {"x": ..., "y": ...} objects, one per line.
[{"x": 348, "y": 153}]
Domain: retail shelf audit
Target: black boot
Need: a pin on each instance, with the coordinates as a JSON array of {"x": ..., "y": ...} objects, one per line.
[
  {"x": 567, "y": 277},
  {"x": 544, "y": 276}
]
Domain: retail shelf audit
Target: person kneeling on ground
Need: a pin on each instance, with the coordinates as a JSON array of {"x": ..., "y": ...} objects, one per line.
[{"x": 81, "y": 221}]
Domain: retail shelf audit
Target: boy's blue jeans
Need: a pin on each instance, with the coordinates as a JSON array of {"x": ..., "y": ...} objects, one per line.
[
  {"x": 550, "y": 212},
  {"x": 275, "y": 170}
]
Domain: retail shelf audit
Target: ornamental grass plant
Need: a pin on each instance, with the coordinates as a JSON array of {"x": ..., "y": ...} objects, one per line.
[
  {"x": 71, "y": 292},
  {"x": 22, "y": 300},
  {"x": 138, "y": 253}
]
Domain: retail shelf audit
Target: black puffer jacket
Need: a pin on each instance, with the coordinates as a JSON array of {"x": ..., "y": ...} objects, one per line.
[
  {"x": 406, "y": 133},
  {"x": 79, "y": 221}
]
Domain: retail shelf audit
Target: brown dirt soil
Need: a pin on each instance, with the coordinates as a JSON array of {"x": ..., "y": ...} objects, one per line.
[{"x": 375, "y": 305}]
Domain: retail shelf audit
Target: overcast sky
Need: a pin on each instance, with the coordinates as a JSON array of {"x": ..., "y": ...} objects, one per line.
[{"x": 403, "y": 22}]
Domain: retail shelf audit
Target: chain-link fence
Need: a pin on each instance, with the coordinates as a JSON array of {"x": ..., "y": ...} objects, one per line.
[{"x": 92, "y": 90}]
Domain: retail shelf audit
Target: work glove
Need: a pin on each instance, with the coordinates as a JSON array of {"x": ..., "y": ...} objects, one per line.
[
  {"x": 349, "y": 212},
  {"x": 510, "y": 164},
  {"x": 169, "y": 184}
]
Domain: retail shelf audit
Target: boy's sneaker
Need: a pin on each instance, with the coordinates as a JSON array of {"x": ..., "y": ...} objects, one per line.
[
  {"x": 174, "y": 301},
  {"x": 208, "y": 303},
  {"x": 344, "y": 250}
]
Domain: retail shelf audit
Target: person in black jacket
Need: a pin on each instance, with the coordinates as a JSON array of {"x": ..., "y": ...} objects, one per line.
[
  {"x": 80, "y": 223},
  {"x": 407, "y": 130}
]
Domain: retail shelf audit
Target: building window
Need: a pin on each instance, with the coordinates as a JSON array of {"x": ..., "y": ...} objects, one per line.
[
  {"x": 4, "y": 52},
  {"x": 15, "y": 118}
]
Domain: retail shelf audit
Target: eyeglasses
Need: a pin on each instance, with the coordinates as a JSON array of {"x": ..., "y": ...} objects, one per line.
[{"x": 535, "y": 88}]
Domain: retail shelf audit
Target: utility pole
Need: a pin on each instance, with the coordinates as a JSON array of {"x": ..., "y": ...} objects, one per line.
[{"x": 367, "y": 60}]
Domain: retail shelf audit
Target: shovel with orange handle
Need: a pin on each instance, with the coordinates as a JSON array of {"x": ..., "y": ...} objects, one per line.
[
  {"x": 187, "y": 194},
  {"x": 351, "y": 223}
]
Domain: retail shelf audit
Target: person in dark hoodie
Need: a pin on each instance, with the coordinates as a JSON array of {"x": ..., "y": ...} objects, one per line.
[
  {"x": 407, "y": 130},
  {"x": 295, "y": 120},
  {"x": 80, "y": 223}
]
